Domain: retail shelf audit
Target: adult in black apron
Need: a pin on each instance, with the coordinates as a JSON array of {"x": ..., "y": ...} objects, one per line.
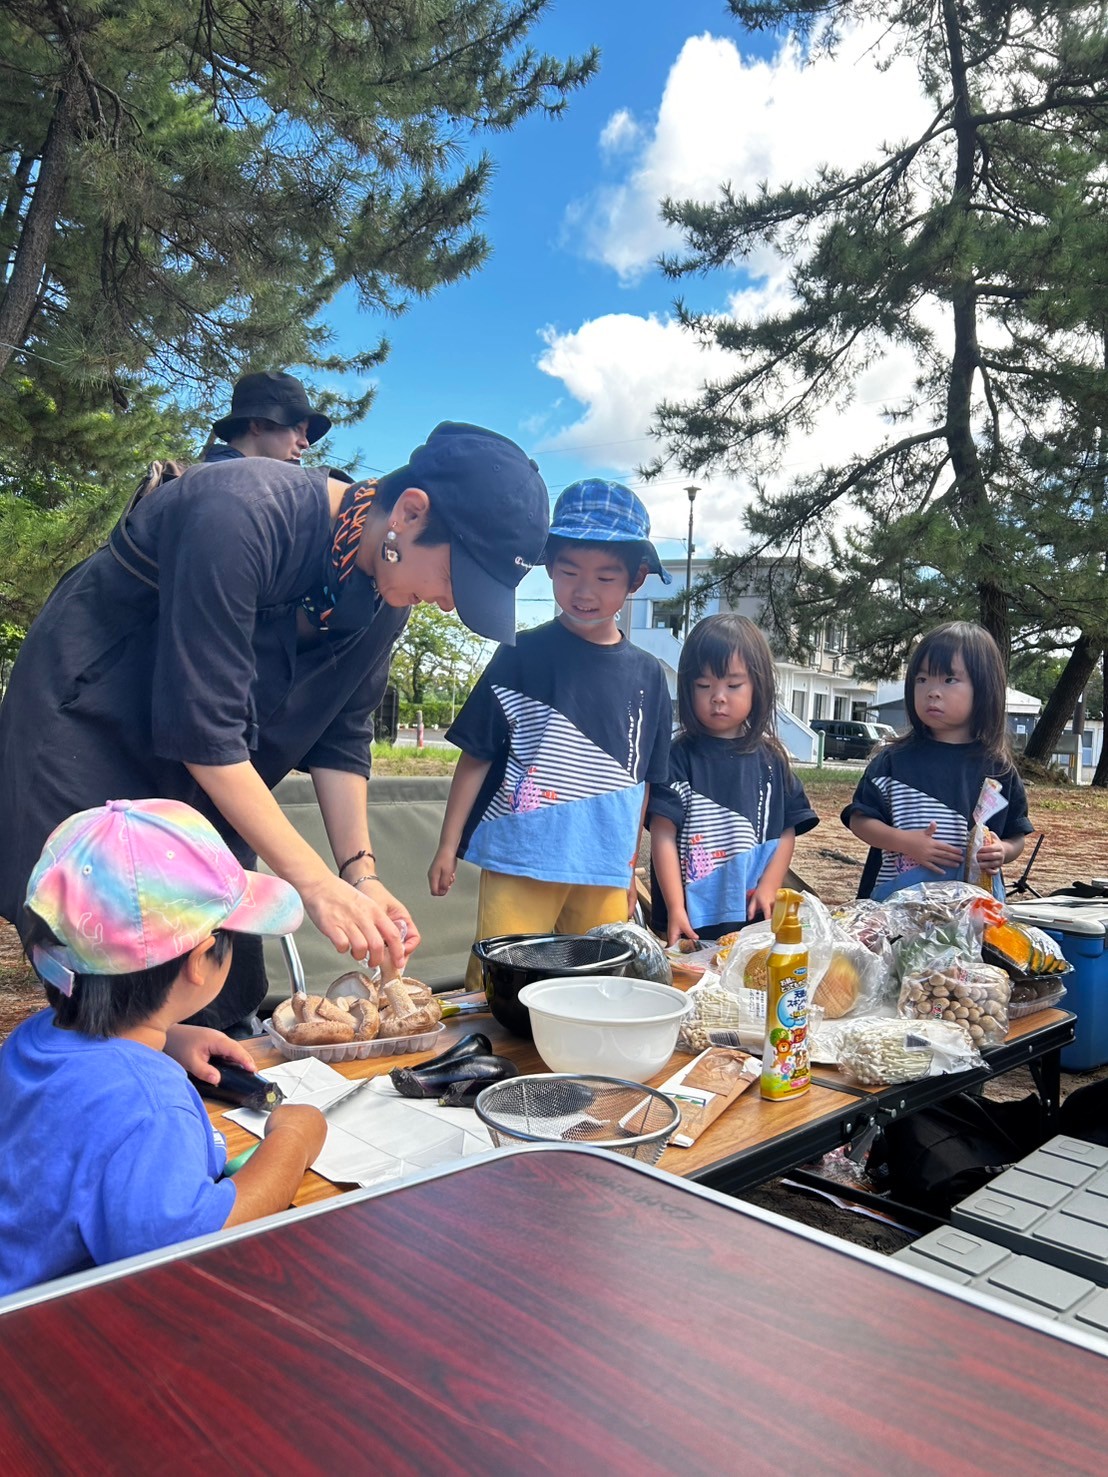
[{"x": 239, "y": 624}]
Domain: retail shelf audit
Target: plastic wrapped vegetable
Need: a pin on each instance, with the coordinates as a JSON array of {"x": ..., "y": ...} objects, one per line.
[
  {"x": 961, "y": 990},
  {"x": 880, "y": 1051},
  {"x": 650, "y": 962},
  {"x": 942, "y": 905},
  {"x": 716, "y": 1020},
  {"x": 855, "y": 980}
]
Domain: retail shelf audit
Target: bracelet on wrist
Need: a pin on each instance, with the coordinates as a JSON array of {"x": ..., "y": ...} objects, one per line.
[
  {"x": 357, "y": 857},
  {"x": 369, "y": 877}
]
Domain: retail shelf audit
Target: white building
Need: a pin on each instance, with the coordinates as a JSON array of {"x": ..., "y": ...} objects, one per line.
[{"x": 653, "y": 618}]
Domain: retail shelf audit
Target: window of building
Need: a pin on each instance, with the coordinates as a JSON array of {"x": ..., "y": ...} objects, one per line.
[
  {"x": 842, "y": 707},
  {"x": 818, "y": 700},
  {"x": 668, "y": 615},
  {"x": 799, "y": 702}
]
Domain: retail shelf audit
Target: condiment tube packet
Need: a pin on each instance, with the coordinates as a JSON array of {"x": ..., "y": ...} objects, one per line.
[
  {"x": 990, "y": 802},
  {"x": 706, "y": 1087}
]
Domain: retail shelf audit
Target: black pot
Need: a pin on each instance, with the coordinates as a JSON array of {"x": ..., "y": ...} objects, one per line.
[{"x": 511, "y": 961}]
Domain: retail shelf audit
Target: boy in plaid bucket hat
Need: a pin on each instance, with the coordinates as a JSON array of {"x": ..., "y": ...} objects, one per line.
[
  {"x": 562, "y": 738},
  {"x": 108, "y": 1150}
]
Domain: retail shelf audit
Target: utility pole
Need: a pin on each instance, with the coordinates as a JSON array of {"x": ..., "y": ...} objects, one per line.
[{"x": 692, "y": 492}]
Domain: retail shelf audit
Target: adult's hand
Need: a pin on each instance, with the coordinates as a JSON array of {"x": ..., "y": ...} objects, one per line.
[{"x": 363, "y": 921}]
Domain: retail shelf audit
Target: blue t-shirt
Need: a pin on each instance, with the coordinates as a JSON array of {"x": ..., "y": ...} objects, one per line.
[
  {"x": 908, "y": 785},
  {"x": 730, "y": 810},
  {"x": 105, "y": 1152},
  {"x": 574, "y": 732}
]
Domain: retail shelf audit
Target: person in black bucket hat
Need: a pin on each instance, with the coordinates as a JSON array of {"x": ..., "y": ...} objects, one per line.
[
  {"x": 239, "y": 624},
  {"x": 270, "y": 416}
]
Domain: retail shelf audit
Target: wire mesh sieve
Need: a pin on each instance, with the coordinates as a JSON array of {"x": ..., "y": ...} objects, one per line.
[
  {"x": 559, "y": 951},
  {"x": 563, "y": 1108}
]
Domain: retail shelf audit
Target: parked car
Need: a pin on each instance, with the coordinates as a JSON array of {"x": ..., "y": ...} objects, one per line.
[{"x": 847, "y": 739}]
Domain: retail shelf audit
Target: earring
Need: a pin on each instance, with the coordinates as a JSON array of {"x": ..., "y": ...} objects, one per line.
[{"x": 389, "y": 552}]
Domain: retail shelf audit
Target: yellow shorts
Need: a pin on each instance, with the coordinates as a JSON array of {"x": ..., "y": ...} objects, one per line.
[{"x": 508, "y": 904}]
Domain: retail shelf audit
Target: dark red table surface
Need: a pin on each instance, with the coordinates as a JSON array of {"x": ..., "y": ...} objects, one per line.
[{"x": 550, "y": 1311}]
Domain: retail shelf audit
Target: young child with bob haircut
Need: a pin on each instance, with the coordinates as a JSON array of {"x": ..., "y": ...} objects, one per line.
[
  {"x": 913, "y": 806},
  {"x": 722, "y": 831},
  {"x": 108, "y": 1150},
  {"x": 562, "y": 737}
]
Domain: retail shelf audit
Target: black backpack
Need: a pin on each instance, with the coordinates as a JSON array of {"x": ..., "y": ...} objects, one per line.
[
  {"x": 935, "y": 1158},
  {"x": 123, "y": 548}
]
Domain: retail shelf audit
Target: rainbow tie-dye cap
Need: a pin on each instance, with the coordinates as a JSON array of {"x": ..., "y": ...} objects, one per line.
[{"x": 135, "y": 883}]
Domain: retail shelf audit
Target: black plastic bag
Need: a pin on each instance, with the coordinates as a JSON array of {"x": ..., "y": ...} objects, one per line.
[
  {"x": 935, "y": 1158},
  {"x": 1084, "y": 1114}
]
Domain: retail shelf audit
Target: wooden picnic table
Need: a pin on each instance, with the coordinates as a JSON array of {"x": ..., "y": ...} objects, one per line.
[
  {"x": 552, "y": 1310},
  {"x": 754, "y": 1140}
]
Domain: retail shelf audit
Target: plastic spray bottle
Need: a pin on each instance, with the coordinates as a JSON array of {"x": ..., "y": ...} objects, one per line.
[{"x": 785, "y": 1069}]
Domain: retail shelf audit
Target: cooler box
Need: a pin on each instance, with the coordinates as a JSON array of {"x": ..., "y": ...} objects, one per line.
[{"x": 1080, "y": 926}]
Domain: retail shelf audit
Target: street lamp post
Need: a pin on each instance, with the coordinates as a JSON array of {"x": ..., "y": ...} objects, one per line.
[{"x": 692, "y": 492}]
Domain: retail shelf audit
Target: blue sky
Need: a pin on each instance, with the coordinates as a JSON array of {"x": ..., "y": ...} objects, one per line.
[{"x": 564, "y": 341}]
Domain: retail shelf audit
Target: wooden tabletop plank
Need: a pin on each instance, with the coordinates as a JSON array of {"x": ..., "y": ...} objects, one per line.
[
  {"x": 751, "y": 1124},
  {"x": 748, "y": 1123}
]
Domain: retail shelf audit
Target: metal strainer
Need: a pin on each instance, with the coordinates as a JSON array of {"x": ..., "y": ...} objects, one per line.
[
  {"x": 558, "y": 952},
  {"x": 567, "y": 1108}
]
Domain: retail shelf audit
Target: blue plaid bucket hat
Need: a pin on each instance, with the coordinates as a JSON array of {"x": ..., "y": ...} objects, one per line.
[{"x": 596, "y": 511}]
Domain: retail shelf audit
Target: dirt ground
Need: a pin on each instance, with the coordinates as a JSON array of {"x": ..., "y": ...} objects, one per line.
[{"x": 1073, "y": 823}]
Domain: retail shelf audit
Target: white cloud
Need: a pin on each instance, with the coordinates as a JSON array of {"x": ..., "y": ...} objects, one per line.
[
  {"x": 620, "y": 366},
  {"x": 725, "y": 117},
  {"x": 620, "y": 133},
  {"x": 743, "y": 120}
]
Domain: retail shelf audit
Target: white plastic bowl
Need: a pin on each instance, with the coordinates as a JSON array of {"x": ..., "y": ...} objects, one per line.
[{"x": 605, "y": 1025}]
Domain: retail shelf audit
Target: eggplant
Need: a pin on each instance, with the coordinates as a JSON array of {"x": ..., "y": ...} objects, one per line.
[
  {"x": 473, "y": 1045},
  {"x": 418, "y": 1082},
  {"x": 465, "y": 1094},
  {"x": 236, "y": 1085}
]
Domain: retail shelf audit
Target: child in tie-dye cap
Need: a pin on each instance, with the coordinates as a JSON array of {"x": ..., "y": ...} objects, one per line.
[{"x": 108, "y": 1151}]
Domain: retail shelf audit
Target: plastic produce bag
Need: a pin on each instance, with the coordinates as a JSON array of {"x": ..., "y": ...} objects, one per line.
[
  {"x": 650, "y": 962},
  {"x": 716, "y": 1020},
  {"x": 882, "y": 1051},
  {"x": 867, "y": 922},
  {"x": 855, "y": 982},
  {"x": 941, "y": 915},
  {"x": 745, "y": 965},
  {"x": 951, "y": 987}
]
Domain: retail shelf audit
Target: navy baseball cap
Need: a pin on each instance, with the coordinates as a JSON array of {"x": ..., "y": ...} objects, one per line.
[
  {"x": 596, "y": 511},
  {"x": 490, "y": 495}
]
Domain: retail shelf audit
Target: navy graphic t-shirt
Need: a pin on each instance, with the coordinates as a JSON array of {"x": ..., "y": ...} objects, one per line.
[
  {"x": 730, "y": 810},
  {"x": 910, "y": 785},
  {"x": 574, "y": 732}
]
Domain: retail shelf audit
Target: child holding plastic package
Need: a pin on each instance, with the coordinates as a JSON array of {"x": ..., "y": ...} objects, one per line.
[
  {"x": 561, "y": 738},
  {"x": 108, "y": 1151},
  {"x": 915, "y": 802},
  {"x": 722, "y": 831}
]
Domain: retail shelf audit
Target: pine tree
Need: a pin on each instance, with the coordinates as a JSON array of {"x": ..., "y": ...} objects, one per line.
[
  {"x": 189, "y": 186},
  {"x": 981, "y": 499}
]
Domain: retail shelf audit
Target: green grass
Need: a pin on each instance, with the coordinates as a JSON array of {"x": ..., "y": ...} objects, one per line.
[
  {"x": 405, "y": 759},
  {"x": 812, "y": 778}
]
